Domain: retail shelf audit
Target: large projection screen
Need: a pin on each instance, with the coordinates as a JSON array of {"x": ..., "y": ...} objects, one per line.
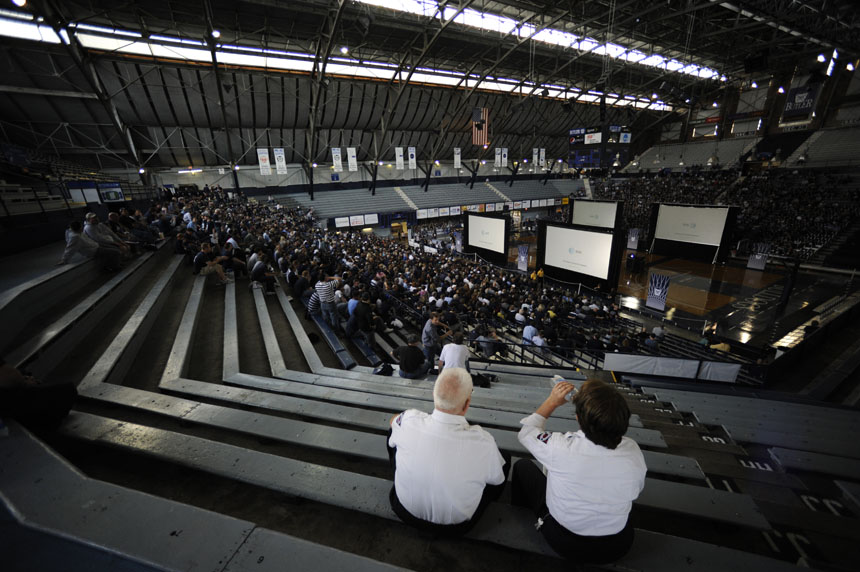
[
  {"x": 579, "y": 251},
  {"x": 699, "y": 225},
  {"x": 488, "y": 233},
  {"x": 594, "y": 213}
]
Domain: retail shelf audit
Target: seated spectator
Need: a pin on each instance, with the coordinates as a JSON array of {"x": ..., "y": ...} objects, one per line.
[
  {"x": 528, "y": 333},
  {"x": 231, "y": 261},
  {"x": 103, "y": 235},
  {"x": 651, "y": 344},
  {"x": 78, "y": 242},
  {"x": 592, "y": 475},
  {"x": 413, "y": 365},
  {"x": 445, "y": 471},
  {"x": 489, "y": 342},
  {"x": 659, "y": 332},
  {"x": 454, "y": 354},
  {"x": 263, "y": 274},
  {"x": 37, "y": 406},
  {"x": 205, "y": 263}
]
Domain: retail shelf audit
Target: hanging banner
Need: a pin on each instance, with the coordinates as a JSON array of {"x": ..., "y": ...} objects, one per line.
[
  {"x": 523, "y": 257},
  {"x": 263, "y": 160},
  {"x": 398, "y": 157},
  {"x": 535, "y": 155},
  {"x": 758, "y": 256},
  {"x": 542, "y": 158},
  {"x": 504, "y": 156},
  {"x": 351, "y": 160},
  {"x": 498, "y": 162},
  {"x": 413, "y": 164},
  {"x": 456, "y": 157},
  {"x": 658, "y": 289},
  {"x": 336, "y": 159},
  {"x": 633, "y": 238},
  {"x": 280, "y": 161}
]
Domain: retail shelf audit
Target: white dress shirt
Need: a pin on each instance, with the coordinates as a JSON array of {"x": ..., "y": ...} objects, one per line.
[
  {"x": 443, "y": 464},
  {"x": 590, "y": 489},
  {"x": 454, "y": 355}
]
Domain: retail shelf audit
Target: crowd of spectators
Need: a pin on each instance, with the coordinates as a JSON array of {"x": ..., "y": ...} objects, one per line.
[
  {"x": 372, "y": 283},
  {"x": 796, "y": 213}
]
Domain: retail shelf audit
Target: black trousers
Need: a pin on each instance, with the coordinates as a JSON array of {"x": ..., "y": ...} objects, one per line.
[
  {"x": 528, "y": 489},
  {"x": 38, "y": 407},
  {"x": 491, "y": 493}
]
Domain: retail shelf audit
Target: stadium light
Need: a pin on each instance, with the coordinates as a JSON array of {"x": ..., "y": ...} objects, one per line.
[
  {"x": 344, "y": 50},
  {"x": 235, "y": 167},
  {"x": 850, "y": 66},
  {"x": 654, "y": 96},
  {"x": 141, "y": 170},
  {"x": 216, "y": 34},
  {"x": 715, "y": 104},
  {"x": 314, "y": 165},
  {"x": 780, "y": 90},
  {"x": 754, "y": 85},
  {"x": 380, "y": 163},
  {"x": 19, "y": 3},
  {"x": 821, "y": 58}
]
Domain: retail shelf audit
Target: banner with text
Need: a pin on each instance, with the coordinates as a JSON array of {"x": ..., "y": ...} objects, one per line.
[
  {"x": 280, "y": 161},
  {"x": 263, "y": 160},
  {"x": 658, "y": 289},
  {"x": 800, "y": 101},
  {"x": 535, "y": 156},
  {"x": 351, "y": 159},
  {"x": 336, "y": 159},
  {"x": 398, "y": 157},
  {"x": 456, "y": 157},
  {"x": 542, "y": 158},
  {"x": 413, "y": 163},
  {"x": 498, "y": 162},
  {"x": 504, "y": 156}
]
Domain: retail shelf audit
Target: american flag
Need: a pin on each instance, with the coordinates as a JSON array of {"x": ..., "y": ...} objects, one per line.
[{"x": 480, "y": 129}]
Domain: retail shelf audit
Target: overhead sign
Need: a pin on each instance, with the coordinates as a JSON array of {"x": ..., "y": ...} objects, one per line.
[
  {"x": 263, "y": 160},
  {"x": 800, "y": 101}
]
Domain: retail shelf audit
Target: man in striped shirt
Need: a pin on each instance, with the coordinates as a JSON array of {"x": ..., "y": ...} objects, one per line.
[{"x": 326, "y": 288}]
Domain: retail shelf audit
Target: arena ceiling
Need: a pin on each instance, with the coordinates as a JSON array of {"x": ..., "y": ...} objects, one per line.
[{"x": 137, "y": 83}]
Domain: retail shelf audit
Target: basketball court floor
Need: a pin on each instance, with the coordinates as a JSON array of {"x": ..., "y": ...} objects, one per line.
[{"x": 742, "y": 302}]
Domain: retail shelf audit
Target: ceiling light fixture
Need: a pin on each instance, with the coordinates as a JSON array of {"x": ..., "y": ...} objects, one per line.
[{"x": 216, "y": 34}]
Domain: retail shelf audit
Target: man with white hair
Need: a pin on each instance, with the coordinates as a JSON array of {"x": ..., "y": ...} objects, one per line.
[{"x": 445, "y": 471}]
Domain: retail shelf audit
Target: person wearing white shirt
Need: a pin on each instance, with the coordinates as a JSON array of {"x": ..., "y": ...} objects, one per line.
[
  {"x": 445, "y": 471},
  {"x": 592, "y": 475},
  {"x": 455, "y": 354}
]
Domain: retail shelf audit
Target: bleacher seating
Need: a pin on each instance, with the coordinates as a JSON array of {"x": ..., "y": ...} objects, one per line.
[
  {"x": 331, "y": 204},
  {"x": 703, "y": 452},
  {"x": 693, "y": 154},
  {"x": 451, "y": 194},
  {"x": 829, "y": 147}
]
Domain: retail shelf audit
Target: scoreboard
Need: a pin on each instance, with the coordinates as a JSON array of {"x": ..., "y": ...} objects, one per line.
[{"x": 593, "y": 147}]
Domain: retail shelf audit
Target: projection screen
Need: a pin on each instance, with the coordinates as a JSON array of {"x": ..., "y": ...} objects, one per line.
[
  {"x": 591, "y": 213},
  {"x": 579, "y": 251},
  {"x": 700, "y": 225},
  {"x": 487, "y": 233}
]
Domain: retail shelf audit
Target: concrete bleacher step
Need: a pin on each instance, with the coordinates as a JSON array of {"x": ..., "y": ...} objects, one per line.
[
  {"x": 58, "y": 518},
  {"x": 180, "y": 408},
  {"x": 45, "y": 345},
  {"x": 502, "y": 524}
]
